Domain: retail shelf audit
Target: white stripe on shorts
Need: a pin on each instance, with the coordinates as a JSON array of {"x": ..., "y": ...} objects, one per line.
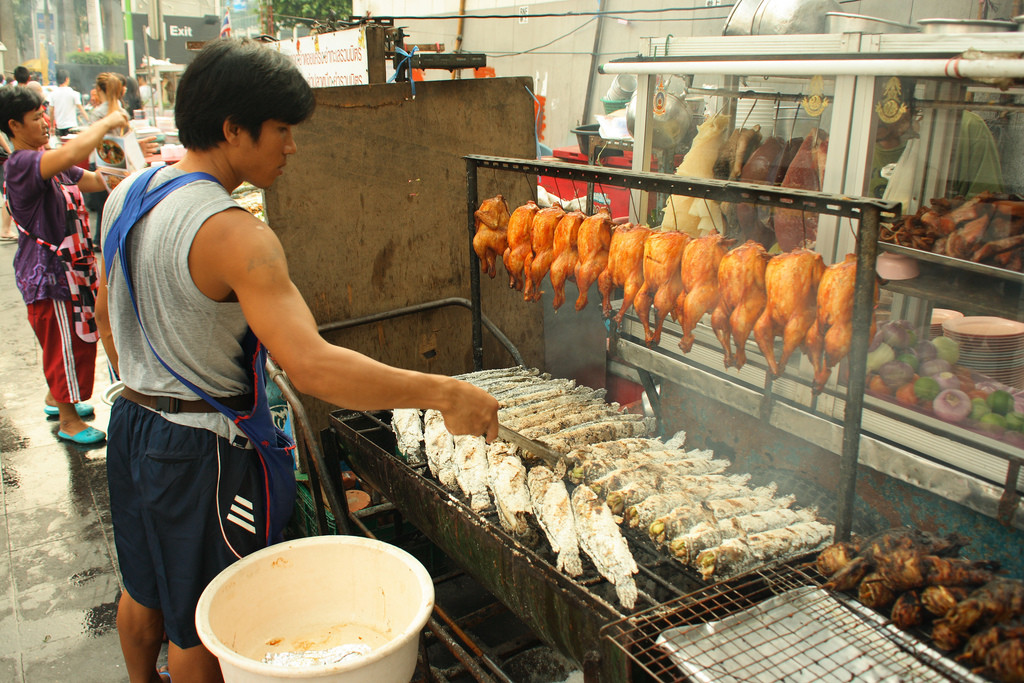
[
  {"x": 242, "y": 523},
  {"x": 60, "y": 312}
]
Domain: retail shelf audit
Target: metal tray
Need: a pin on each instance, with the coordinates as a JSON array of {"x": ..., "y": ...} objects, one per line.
[
  {"x": 803, "y": 634},
  {"x": 951, "y": 262}
]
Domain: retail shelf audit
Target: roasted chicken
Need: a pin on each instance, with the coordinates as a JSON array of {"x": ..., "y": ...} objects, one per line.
[
  {"x": 791, "y": 285},
  {"x": 796, "y": 227},
  {"x": 538, "y": 261},
  {"x": 663, "y": 282},
  {"x": 625, "y": 267},
  {"x": 828, "y": 340},
  {"x": 741, "y": 299},
  {"x": 490, "y": 241},
  {"x": 563, "y": 266},
  {"x": 520, "y": 242},
  {"x": 701, "y": 259},
  {"x": 593, "y": 239}
]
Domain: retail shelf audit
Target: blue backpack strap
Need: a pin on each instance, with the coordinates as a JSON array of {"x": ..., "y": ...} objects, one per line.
[{"x": 138, "y": 202}]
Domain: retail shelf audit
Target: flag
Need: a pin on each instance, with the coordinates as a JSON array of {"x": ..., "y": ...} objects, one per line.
[{"x": 225, "y": 26}]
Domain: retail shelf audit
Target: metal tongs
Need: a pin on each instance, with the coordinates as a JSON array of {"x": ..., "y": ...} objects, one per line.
[{"x": 551, "y": 457}]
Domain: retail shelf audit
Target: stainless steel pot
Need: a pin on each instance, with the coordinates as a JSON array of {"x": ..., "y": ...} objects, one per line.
[
  {"x": 841, "y": 22},
  {"x": 740, "y": 18},
  {"x": 784, "y": 17},
  {"x": 966, "y": 25},
  {"x": 671, "y": 127}
]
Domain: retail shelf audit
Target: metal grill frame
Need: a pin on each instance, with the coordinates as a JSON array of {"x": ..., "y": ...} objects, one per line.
[{"x": 636, "y": 636}]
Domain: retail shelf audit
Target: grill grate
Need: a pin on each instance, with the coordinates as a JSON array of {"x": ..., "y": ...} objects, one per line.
[{"x": 775, "y": 623}]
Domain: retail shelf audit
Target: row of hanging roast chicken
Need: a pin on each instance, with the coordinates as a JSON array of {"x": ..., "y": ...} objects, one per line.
[{"x": 744, "y": 288}]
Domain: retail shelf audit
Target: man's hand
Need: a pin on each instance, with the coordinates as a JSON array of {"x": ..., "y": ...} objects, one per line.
[
  {"x": 149, "y": 146},
  {"x": 473, "y": 411}
]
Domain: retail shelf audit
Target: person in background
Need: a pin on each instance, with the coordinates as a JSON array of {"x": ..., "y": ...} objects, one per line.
[
  {"x": 145, "y": 91},
  {"x": 54, "y": 268},
  {"x": 7, "y": 233},
  {"x": 21, "y": 75},
  {"x": 210, "y": 279},
  {"x": 109, "y": 91},
  {"x": 132, "y": 100},
  {"x": 65, "y": 105}
]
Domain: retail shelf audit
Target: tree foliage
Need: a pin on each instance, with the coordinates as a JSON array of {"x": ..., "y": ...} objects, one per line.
[{"x": 288, "y": 13}]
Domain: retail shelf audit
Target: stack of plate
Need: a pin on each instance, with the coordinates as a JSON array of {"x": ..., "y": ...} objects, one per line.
[
  {"x": 992, "y": 346},
  {"x": 939, "y": 316}
]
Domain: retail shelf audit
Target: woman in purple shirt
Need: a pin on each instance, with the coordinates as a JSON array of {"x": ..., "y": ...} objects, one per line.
[{"x": 54, "y": 266}]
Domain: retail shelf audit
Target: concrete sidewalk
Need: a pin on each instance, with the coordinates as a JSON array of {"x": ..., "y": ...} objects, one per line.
[{"x": 58, "y": 580}]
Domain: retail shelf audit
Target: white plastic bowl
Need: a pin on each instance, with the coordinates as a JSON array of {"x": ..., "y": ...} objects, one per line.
[{"x": 314, "y": 594}]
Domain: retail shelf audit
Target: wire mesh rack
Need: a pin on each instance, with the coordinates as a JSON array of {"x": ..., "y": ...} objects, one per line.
[{"x": 775, "y": 624}]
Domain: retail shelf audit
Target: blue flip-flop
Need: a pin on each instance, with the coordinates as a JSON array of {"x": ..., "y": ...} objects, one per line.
[
  {"x": 83, "y": 410},
  {"x": 87, "y": 436}
]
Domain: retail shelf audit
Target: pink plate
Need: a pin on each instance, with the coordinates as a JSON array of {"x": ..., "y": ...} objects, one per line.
[{"x": 982, "y": 326}]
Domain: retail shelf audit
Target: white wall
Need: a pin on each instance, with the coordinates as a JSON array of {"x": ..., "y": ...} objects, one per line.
[{"x": 560, "y": 70}]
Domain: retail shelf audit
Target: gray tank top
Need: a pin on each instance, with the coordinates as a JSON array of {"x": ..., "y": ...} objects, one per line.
[{"x": 198, "y": 337}]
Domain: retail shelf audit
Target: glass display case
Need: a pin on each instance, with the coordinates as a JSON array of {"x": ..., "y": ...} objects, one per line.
[{"x": 930, "y": 121}]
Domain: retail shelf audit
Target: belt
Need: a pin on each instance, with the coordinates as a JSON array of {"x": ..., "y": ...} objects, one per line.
[{"x": 168, "y": 404}]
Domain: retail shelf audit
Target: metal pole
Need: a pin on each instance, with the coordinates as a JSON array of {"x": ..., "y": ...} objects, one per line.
[
  {"x": 474, "y": 266},
  {"x": 863, "y": 303},
  {"x": 594, "y": 57}
]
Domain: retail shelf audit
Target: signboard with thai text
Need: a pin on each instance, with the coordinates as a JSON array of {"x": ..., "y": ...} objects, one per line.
[{"x": 330, "y": 59}]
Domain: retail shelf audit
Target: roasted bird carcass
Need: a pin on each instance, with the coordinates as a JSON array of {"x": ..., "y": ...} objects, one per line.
[
  {"x": 663, "y": 281},
  {"x": 564, "y": 264},
  {"x": 520, "y": 242},
  {"x": 741, "y": 298},
  {"x": 625, "y": 267},
  {"x": 699, "y": 267},
  {"x": 828, "y": 340},
  {"x": 683, "y": 213},
  {"x": 767, "y": 165},
  {"x": 592, "y": 242},
  {"x": 489, "y": 241},
  {"x": 542, "y": 240},
  {"x": 791, "y": 283},
  {"x": 795, "y": 227},
  {"x": 736, "y": 151}
]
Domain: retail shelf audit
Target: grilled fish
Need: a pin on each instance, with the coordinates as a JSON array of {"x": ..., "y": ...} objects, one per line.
[
  {"x": 696, "y": 488},
  {"x": 439, "y": 446},
  {"x": 506, "y": 478},
  {"x": 739, "y": 554},
  {"x": 610, "y": 449},
  {"x": 408, "y": 426},
  {"x": 471, "y": 470},
  {"x": 706, "y": 535},
  {"x": 559, "y": 420},
  {"x": 618, "y": 428},
  {"x": 655, "y": 473},
  {"x": 602, "y": 541},
  {"x": 597, "y": 467},
  {"x": 554, "y": 513},
  {"x": 648, "y": 508},
  {"x": 682, "y": 519}
]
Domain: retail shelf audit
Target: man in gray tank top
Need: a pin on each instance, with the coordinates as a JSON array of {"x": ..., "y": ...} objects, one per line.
[{"x": 204, "y": 271}]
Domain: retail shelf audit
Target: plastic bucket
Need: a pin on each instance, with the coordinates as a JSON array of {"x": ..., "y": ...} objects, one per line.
[
  {"x": 315, "y": 594},
  {"x": 613, "y": 105}
]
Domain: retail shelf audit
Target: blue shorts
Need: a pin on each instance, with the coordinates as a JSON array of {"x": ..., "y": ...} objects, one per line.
[{"x": 185, "y": 504}]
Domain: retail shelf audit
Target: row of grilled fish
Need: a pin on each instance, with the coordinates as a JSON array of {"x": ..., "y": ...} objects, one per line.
[{"x": 705, "y": 518}]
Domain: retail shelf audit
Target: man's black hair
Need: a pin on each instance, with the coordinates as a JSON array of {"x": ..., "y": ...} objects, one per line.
[
  {"x": 62, "y": 75},
  {"x": 242, "y": 81},
  {"x": 21, "y": 74},
  {"x": 15, "y": 102}
]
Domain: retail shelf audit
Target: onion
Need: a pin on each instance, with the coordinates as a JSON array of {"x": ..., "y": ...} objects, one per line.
[
  {"x": 926, "y": 350},
  {"x": 947, "y": 380},
  {"x": 934, "y": 366},
  {"x": 896, "y": 373},
  {"x": 894, "y": 334},
  {"x": 952, "y": 405}
]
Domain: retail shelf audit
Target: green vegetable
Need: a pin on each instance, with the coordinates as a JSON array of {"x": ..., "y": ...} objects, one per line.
[
  {"x": 1000, "y": 401},
  {"x": 993, "y": 423},
  {"x": 910, "y": 359},
  {"x": 881, "y": 355},
  {"x": 927, "y": 388},
  {"x": 979, "y": 409},
  {"x": 1015, "y": 421},
  {"x": 947, "y": 349}
]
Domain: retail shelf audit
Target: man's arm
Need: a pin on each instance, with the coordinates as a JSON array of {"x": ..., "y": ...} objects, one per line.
[
  {"x": 235, "y": 252},
  {"x": 103, "y": 321}
]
